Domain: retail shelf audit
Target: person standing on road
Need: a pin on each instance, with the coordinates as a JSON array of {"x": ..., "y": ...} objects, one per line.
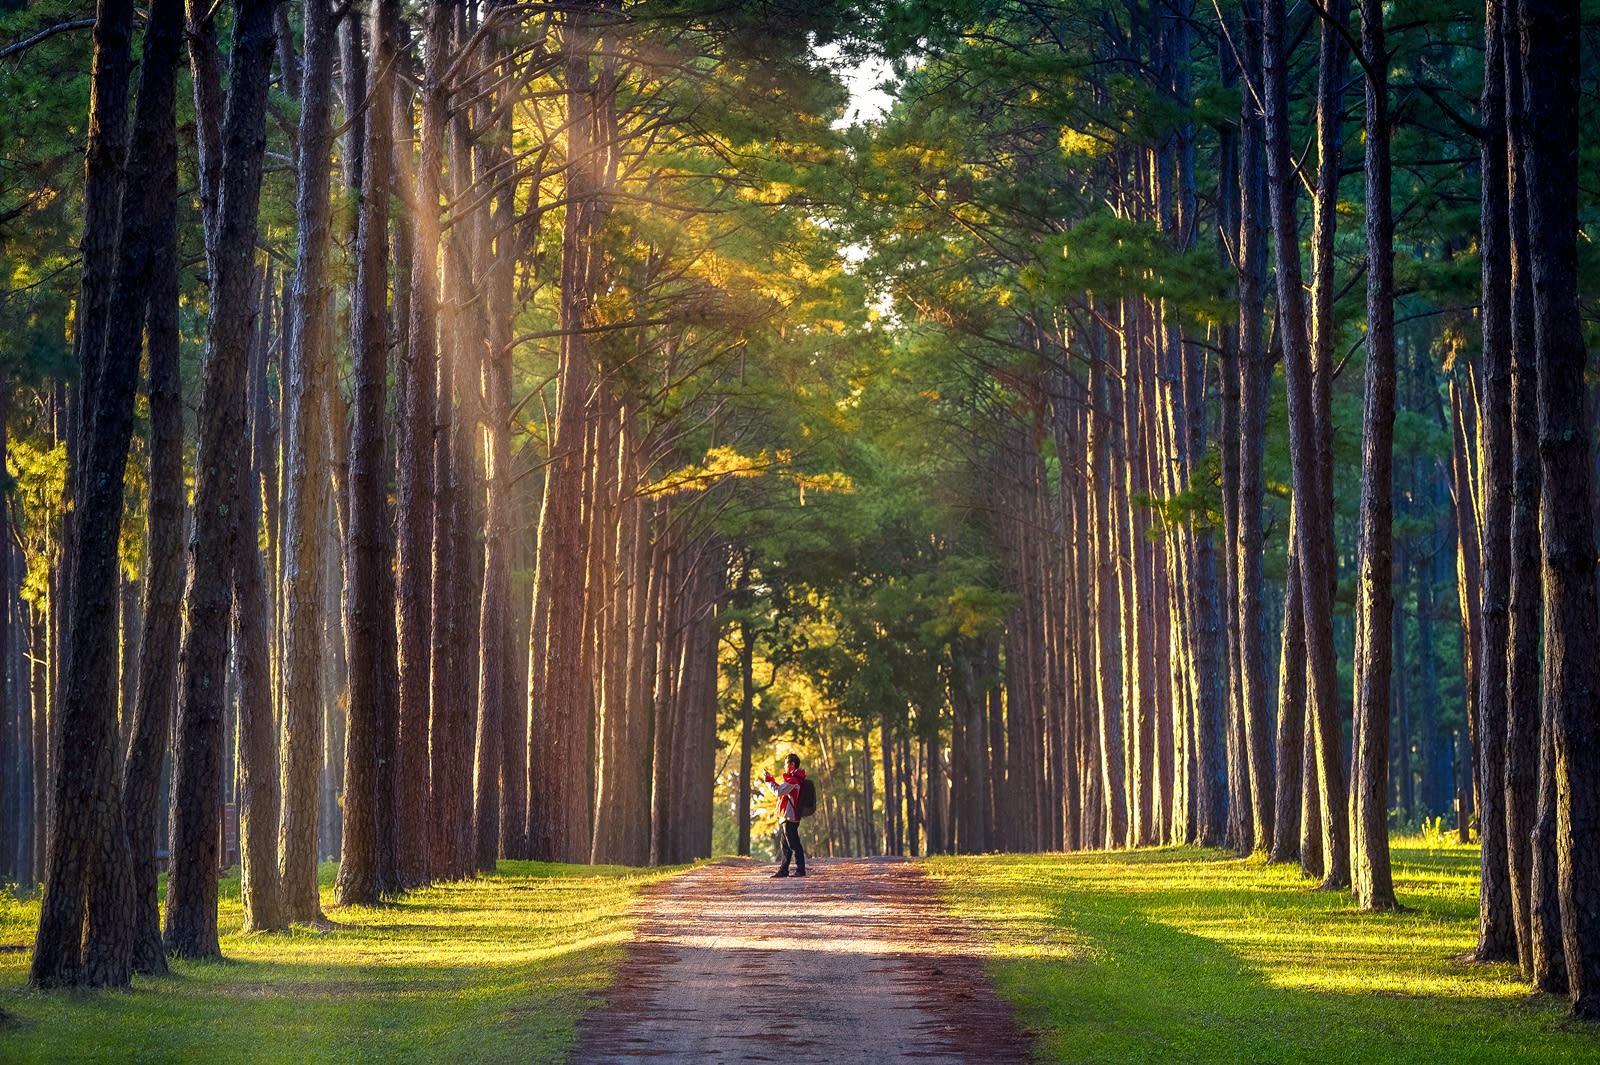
[{"x": 789, "y": 816}]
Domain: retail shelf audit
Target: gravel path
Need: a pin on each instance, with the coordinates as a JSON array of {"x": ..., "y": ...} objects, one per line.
[{"x": 857, "y": 964}]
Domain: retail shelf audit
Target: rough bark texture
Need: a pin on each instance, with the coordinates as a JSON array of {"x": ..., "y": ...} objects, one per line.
[
  {"x": 307, "y": 371},
  {"x": 561, "y": 827},
  {"x": 85, "y": 916},
  {"x": 1111, "y": 770},
  {"x": 1254, "y": 374},
  {"x": 191, "y": 927},
  {"x": 1497, "y": 939},
  {"x": 1374, "y": 652},
  {"x": 1549, "y": 33},
  {"x": 151, "y": 724},
  {"x": 368, "y": 775},
  {"x": 1291, "y": 713},
  {"x": 1522, "y": 783},
  {"x": 260, "y": 887},
  {"x": 622, "y": 795},
  {"x": 1306, "y": 350},
  {"x": 416, "y": 415}
]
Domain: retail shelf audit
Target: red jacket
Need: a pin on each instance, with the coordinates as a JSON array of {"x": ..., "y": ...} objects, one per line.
[{"x": 789, "y": 794}]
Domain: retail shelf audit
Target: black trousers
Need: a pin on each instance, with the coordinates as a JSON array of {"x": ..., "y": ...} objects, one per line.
[{"x": 792, "y": 847}]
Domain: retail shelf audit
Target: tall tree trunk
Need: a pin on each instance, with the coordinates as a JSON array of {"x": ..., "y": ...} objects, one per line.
[
  {"x": 747, "y": 715},
  {"x": 191, "y": 928},
  {"x": 1307, "y": 357},
  {"x": 1369, "y": 812},
  {"x": 151, "y": 729},
  {"x": 1497, "y": 924},
  {"x": 1254, "y": 371},
  {"x": 1286, "y": 825},
  {"x": 1107, "y": 627},
  {"x": 498, "y": 715},
  {"x": 562, "y": 828},
  {"x": 458, "y": 474},
  {"x": 308, "y": 379},
  {"x": 372, "y": 722},
  {"x": 1538, "y": 928},
  {"x": 417, "y": 416},
  {"x": 85, "y": 915},
  {"x": 260, "y": 887},
  {"x": 622, "y": 803},
  {"x": 1550, "y": 34}
]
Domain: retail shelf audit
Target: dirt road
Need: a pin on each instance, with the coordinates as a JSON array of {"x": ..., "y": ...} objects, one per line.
[{"x": 857, "y": 964}]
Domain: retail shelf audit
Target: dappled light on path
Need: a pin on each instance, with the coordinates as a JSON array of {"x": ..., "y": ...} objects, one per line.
[{"x": 857, "y": 963}]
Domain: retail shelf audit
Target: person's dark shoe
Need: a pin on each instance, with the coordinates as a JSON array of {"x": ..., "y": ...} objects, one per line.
[
  {"x": 802, "y": 872},
  {"x": 781, "y": 873}
]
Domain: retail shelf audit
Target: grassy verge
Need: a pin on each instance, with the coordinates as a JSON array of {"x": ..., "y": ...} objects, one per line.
[
  {"x": 495, "y": 970},
  {"x": 1177, "y": 956}
]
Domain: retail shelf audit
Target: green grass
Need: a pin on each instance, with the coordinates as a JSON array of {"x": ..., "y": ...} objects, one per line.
[
  {"x": 1174, "y": 956},
  {"x": 498, "y": 969}
]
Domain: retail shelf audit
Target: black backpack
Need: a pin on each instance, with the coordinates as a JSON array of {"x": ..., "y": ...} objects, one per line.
[{"x": 808, "y": 798}]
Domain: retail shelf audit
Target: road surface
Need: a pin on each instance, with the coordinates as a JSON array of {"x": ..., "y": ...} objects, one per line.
[{"x": 857, "y": 964}]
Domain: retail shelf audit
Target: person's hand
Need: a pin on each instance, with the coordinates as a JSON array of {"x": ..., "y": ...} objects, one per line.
[{"x": 769, "y": 777}]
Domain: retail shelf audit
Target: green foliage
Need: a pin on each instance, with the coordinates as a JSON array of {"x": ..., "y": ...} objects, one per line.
[{"x": 37, "y": 474}]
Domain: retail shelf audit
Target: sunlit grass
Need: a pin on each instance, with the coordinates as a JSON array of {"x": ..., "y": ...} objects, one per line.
[
  {"x": 1175, "y": 956},
  {"x": 498, "y": 969}
]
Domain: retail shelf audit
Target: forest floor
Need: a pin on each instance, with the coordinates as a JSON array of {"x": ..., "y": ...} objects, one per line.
[
  {"x": 859, "y": 963},
  {"x": 498, "y": 969},
  {"x": 1166, "y": 956},
  {"x": 1176, "y": 956}
]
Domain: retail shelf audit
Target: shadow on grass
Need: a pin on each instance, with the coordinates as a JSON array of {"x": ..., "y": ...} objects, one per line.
[
  {"x": 498, "y": 969},
  {"x": 1177, "y": 956}
]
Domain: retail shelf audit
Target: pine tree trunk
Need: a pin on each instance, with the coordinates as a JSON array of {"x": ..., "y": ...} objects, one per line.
[
  {"x": 499, "y": 776},
  {"x": 260, "y": 887},
  {"x": 1307, "y": 363},
  {"x": 463, "y": 316},
  {"x": 1369, "y": 812},
  {"x": 1524, "y": 594},
  {"x": 308, "y": 370},
  {"x": 1107, "y": 627},
  {"x": 562, "y": 829},
  {"x": 416, "y": 417},
  {"x": 191, "y": 925},
  {"x": 150, "y": 731},
  {"x": 1497, "y": 923},
  {"x": 308, "y": 380},
  {"x": 1286, "y": 827},
  {"x": 86, "y": 820},
  {"x": 622, "y": 810},
  {"x": 1549, "y": 39},
  {"x": 364, "y": 877}
]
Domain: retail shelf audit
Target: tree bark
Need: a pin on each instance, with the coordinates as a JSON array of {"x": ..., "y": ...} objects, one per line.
[
  {"x": 562, "y": 829},
  {"x": 372, "y": 723},
  {"x": 308, "y": 373},
  {"x": 85, "y": 915},
  {"x": 1497, "y": 925},
  {"x": 1550, "y": 32},
  {"x": 260, "y": 886},
  {"x": 1291, "y": 712},
  {"x": 417, "y": 417},
  {"x": 1107, "y": 628},
  {"x": 1254, "y": 372},
  {"x": 1369, "y": 811},
  {"x": 191, "y": 927},
  {"x": 1307, "y": 357},
  {"x": 150, "y": 729},
  {"x": 1523, "y": 787}
]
